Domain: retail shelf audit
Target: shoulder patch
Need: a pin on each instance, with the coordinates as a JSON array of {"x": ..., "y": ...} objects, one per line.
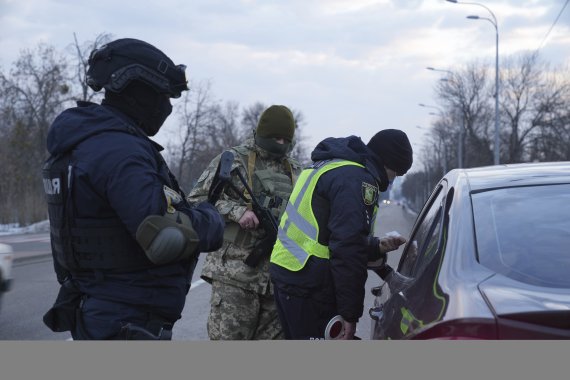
[
  {"x": 172, "y": 199},
  {"x": 369, "y": 194}
]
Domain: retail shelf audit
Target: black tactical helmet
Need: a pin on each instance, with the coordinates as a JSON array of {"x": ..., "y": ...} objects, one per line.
[{"x": 114, "y": 65}]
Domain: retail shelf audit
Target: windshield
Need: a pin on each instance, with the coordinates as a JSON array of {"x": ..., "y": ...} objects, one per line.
[{"x": 524, "y": 233}]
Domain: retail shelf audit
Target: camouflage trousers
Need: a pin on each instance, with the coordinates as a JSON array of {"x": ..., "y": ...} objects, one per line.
[{"x": 239, "y": 314}]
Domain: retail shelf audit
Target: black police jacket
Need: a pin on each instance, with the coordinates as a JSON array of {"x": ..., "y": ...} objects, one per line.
[
  {"x": 118, "y": 176},
  {"x": 345, "y": 221}
]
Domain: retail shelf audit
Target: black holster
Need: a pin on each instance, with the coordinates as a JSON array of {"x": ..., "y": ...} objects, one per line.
[
  {"x": 159, "y": 331},
  {"x": 155, "y": 328},
  {"x": 62, "y": 315}
]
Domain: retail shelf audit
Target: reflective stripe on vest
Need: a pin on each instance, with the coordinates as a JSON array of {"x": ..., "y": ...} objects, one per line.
[{"x": 297, "y": 237}]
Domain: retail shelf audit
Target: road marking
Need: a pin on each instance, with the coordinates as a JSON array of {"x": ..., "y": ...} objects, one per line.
[
  {"x": 24, "y": 239},
  {"x": 195, "y": 284}
]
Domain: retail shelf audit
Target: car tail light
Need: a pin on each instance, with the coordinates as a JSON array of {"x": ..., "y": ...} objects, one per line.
[
  {"x": 491, "y": 329},
  {"x": 549, "y": 324},
  {"x": 458, "y": 338},
  {"x": 461, "y": 329}
]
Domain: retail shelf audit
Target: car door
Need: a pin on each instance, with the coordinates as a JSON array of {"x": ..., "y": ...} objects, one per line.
[{"x": 403, "y": 302}]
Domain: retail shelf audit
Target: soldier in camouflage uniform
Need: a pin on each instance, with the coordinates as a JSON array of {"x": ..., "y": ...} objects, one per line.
[{"x": 242, "y": 302}]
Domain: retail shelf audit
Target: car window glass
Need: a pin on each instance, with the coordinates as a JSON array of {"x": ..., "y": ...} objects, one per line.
[
  {"x": 423, "y": 243},
  {"x": 524, "y": 233}
]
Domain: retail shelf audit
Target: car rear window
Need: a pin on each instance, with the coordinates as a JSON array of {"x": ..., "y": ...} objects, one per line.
[{"x": 524, "y": 233}]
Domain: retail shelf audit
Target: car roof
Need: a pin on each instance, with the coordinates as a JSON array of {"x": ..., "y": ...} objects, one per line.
[{"x": 509, "y": 175}]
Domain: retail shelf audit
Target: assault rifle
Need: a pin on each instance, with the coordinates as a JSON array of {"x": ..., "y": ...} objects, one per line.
[
  {"x": 221, "y": 178},
  {"x": 266, "y": 219},
  {"x": 268, "y": 223}
]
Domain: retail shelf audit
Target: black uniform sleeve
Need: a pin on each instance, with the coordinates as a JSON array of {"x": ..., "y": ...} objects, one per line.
[
  {"x": 208, "y": 224},
  {"x": 135, "y": 189},
  {"x": 349, "y": 225}
]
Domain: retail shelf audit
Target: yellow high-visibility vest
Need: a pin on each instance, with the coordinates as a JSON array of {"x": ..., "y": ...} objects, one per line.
[{"x": 297, "y": 237}]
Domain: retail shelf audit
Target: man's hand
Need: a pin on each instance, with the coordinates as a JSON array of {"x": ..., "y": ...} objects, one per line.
[
  {"x": 349, "y": 330},
  {"x": 391, "y": 243},
  {"x": 248, "y": 220}
]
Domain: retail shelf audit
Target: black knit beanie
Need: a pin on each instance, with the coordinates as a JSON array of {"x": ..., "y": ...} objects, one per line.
[{"x": 393, "y": 148}]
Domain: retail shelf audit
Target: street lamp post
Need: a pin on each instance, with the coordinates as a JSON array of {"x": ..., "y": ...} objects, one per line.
[
  {"x": 427, "y": 169},
  {"x": 493, "y": 21},
  {"x": 443, "y": 71},
  {"x": 460, "y": 143},
  {"x": 459, "y": 146},
  {"x": 444, "y": 160}
]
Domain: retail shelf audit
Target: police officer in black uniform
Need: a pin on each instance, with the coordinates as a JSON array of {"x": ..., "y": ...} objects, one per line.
[
  {"x": 319, "y": 263},
  {"x": 125, "y": 241}
]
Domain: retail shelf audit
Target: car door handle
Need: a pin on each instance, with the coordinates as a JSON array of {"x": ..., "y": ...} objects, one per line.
[
  {"x": 376, "y": 291},
  {"x": 376, "y": 313}
]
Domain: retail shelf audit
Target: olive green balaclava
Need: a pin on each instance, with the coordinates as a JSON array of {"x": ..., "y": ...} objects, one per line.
[{"x": 275, "y": 122}]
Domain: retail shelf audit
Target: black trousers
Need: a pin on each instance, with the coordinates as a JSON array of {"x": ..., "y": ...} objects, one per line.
[
  {"x": 105, "y": 320},
  {"x": 303, "y": 317},
  {"x": 92, "y": 319}
]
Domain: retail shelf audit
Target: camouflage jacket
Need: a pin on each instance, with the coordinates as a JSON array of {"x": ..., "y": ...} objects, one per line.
[{"x": 270, "y": 179}]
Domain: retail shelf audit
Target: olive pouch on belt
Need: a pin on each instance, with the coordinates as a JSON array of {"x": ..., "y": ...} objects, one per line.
[{"x": 62, "y": 315}]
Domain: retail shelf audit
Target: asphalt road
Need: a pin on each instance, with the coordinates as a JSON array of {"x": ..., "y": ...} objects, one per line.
[
  {"x": 33, "y": 291},
  {"x": 35, "y": 287}
]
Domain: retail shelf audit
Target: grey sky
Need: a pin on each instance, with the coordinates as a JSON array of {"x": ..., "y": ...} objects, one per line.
[{"x": 351, "y": 66}]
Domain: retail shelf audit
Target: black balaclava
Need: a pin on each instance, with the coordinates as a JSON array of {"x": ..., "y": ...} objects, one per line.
[
  {"x": 381, "y": 171},
  {"x": 276, "y": 121},
  {"x": 142, "y": 103}
]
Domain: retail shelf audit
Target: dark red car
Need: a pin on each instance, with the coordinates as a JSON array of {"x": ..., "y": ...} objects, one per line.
[{"x": 488, "y": 258}]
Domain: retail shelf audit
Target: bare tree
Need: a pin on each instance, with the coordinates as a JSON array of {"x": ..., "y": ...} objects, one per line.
[
  {"x": 80, "y": 52},
  {"x": 37, "y": 89},
  {"x": 416, "y": 188},
  {"x": 195, "y": 117},
  {"x": 535, "y": 117},
  {"x": 224, "y": 131},
  {"x": 250, "y": 117},
  {"x": 533, "y": 96},
  {"x": 550, "y": 140},
  {"x": 34, "y": 92},
  {"x": 465, "y": 95},
  {"x": 440, "y": 141},
  {"x": 40, "y": 85},
  {"x": 301, "y": 151}
]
